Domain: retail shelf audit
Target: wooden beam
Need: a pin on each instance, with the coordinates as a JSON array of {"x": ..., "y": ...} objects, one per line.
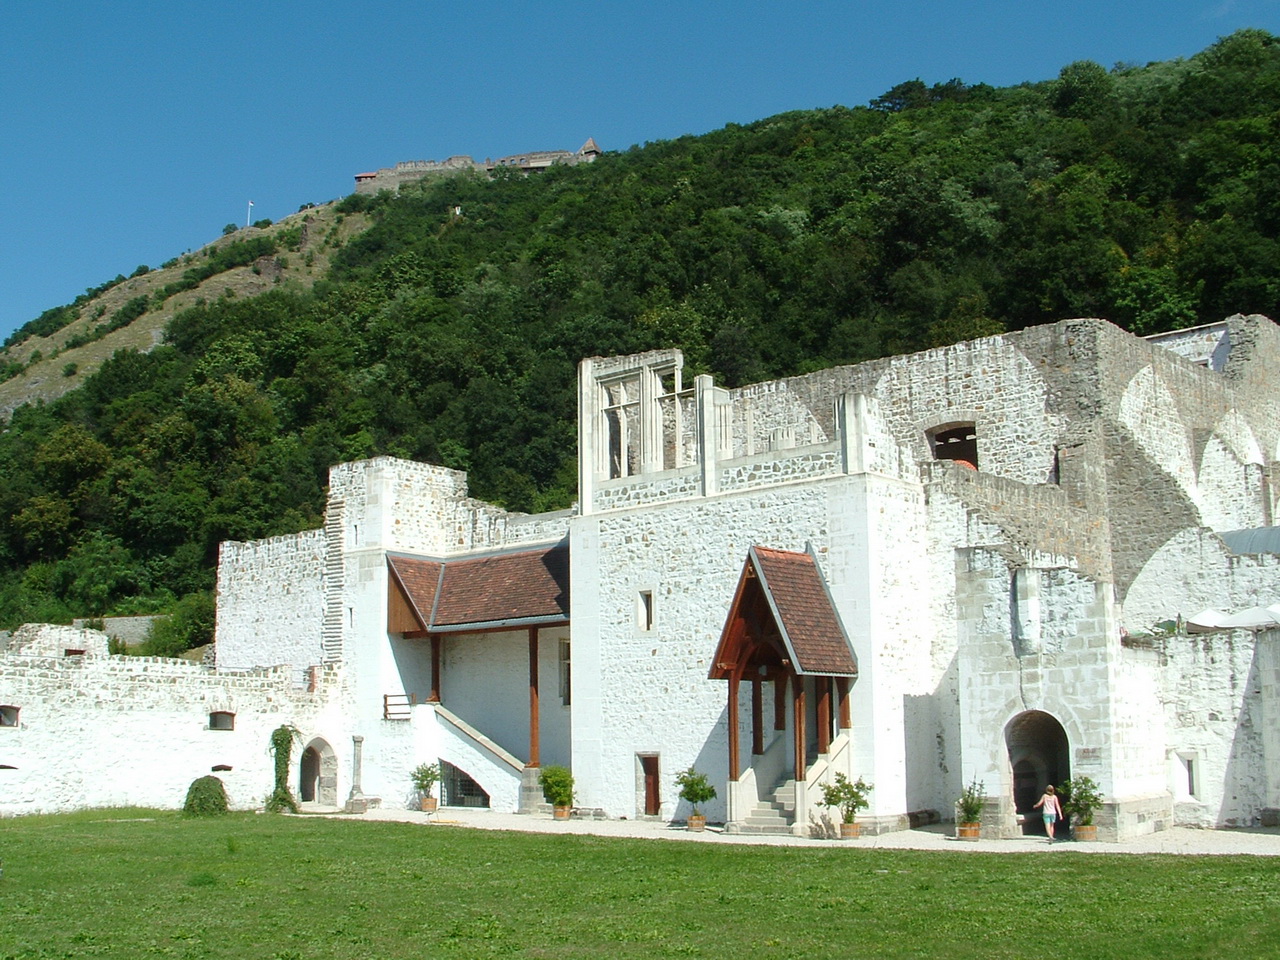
[
  {"x": 824, "y": 714},
  {"x": 842, "y": 693},
  {"x": 734, "y": 762},
  {"x": 437, "y": 642},
  {"x": 534, "y": 745},
  {"x": 797, "y": 685},
  {"x": 757, "y": 722}
]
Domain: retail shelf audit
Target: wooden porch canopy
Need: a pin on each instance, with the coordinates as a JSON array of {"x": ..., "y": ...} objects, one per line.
[
  {"x": 514, "y": 590},
  {"x": 783, "y": 624}
]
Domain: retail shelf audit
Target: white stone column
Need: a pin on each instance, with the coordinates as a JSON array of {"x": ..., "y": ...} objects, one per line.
[
  {"x": 705, "y": 394},
  {"x": 588, "y": 440}
]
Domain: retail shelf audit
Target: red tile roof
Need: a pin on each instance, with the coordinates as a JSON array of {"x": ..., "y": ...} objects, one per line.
[
  {"x": 801, "y": 609},
  {"x": 524, "y": 586},
  {"x": 806, "y": 616}
]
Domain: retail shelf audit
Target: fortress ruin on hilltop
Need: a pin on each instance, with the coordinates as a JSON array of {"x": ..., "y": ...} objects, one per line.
[{"x": 407, "y": 171}]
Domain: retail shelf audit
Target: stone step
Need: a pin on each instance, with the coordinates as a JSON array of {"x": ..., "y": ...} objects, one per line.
[{"x": 770, "y": 830}]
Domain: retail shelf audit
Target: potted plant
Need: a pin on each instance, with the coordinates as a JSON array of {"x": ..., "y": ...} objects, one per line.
[
  {"x": 849, "y": 796},
  {"x": 1080, "y": 802},
  {"x": 424, "y": 777},
  {"x": 695, "y": 788},
  {"x": 970, "y": 810},
  {"x": 557, "y": 787}
]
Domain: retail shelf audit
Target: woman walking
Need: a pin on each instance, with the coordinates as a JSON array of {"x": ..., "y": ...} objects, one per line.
[{"x": 1049, "y": 806}]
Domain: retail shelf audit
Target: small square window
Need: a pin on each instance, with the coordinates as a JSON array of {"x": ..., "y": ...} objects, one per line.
[
  {"x": 8, "y": 716},
  {"x": 222, "y": 720},
  {"x": 644, "y": 611}
]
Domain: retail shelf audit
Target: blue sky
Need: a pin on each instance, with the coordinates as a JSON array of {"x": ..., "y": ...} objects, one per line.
[{"x": 131, "y": 132}]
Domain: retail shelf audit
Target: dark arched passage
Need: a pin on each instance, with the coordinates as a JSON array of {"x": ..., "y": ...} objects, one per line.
[{"x": 1039, "y": 755}]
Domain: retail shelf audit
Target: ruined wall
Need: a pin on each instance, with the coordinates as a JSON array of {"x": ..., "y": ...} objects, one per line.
[
  {"x": 271, "y": 602},
  {"x": 102, "y": 731},
  {"x": 1211, "y": 696}
]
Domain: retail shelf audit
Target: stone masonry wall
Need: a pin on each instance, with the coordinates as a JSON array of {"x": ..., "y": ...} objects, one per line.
[
  {"x": 102, "y": 731},
  {"x": 271, "y": 601}
]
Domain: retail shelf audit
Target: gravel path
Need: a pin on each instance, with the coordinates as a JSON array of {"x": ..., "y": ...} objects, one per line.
[{"x": 1262, "y": 841}]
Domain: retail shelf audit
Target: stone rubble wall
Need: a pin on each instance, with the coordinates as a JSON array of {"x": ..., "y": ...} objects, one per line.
[
  {"x": 271, "y": 602},
  {"x": 105, "y": 731}
]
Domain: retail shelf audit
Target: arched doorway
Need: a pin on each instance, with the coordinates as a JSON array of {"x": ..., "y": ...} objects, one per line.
[
  {"x": 1039, "y": 755},
  {"x": 318, "y": 774}
]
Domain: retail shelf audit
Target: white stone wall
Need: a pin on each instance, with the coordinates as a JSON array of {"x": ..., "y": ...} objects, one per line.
[
  {"x": 103, "y": 731},
  {"x": 485, "y": 681},
  {"x": 989, "y": 382},
  {"x": 271, "y": 602},
  {"x": 1211, "y": 697}
]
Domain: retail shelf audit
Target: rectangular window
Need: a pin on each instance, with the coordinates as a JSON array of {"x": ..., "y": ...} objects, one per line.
[
  {"x": 644, "y": 611},
  {"x": 222, "y": 720},
  {"x": 8, "y": 716},
  {"x": 566, "y": 679}
]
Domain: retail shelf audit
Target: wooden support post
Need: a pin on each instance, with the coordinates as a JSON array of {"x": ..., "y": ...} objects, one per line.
[
  {"x": 436, "y": 641},
  {"x": 534, "y": 759},
  {"x": 757, "y": 722},
  {"x": 824, "y": 714},
  {"x": 802, "y": 760},
  {"x": 842, "y": 694},
  {"x": 734, "y": 764},
  {"x": 779, "y": 703}
]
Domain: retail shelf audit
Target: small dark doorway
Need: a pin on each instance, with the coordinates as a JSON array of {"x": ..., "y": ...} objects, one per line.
[
  {"x": 318, "y": 774},
  {"x": 652, "y": 800},
  {"x": 1039, "y": 755},
  {"x": 309, "y": 775}
]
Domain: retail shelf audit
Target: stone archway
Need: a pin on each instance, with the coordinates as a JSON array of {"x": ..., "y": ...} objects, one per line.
[
  {"x": 318, "y": 774},
  {"x": 1039, "y": 754}
]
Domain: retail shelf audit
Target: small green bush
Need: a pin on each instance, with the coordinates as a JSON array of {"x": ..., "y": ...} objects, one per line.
[
  {"x": 206, "y": 797},
  {"x": 557, "y": 785}
]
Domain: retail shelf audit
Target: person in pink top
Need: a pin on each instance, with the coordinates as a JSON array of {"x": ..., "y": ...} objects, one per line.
[{"x": 1049, "y": 806}]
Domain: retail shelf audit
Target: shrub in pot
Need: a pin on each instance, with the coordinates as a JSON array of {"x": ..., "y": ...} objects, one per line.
[
  {"x": 696, "y": 789},
  {"x": 1080, "y": 801},
  {"x": 848, "y": 796},
  {"x": 424, "y": 777},
  {"x": 970, "y": 807},
  {"x": 557, "y": 788}
]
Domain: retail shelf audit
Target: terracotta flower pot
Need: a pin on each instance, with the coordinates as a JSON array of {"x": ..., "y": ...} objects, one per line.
[
  {"x": 697, "y": 824},
  {"x": 561, "y": 813},
  {"x": 968, "y": 831},
  {"x": 430, "y": 804},
  {"x": 850, "y": 831}
]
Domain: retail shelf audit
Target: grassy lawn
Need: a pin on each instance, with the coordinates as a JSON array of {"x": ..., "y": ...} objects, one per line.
[{"x": 101, "y": 884}]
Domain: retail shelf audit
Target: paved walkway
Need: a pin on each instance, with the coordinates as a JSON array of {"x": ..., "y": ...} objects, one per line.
[{"x": 1262, "y": 841}]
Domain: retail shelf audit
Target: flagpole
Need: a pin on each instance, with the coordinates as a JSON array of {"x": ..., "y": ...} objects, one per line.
[{"x": 247, "y": 213}]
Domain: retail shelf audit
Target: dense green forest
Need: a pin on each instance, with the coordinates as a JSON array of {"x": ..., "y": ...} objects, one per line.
[{"x": 1146, "y": 195}]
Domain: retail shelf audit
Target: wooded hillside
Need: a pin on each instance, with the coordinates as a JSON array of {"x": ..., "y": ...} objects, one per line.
[{"x": 1146, "y": 195}]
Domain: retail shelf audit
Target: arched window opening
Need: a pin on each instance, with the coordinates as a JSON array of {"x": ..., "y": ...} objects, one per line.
[
  {"x": 222, "y": 720},
  {"x": 955, "y": 441}
]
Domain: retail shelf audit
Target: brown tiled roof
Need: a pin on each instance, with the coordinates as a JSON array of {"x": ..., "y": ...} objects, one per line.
[
  {"x": 806, "y": 617},
  {"x": 419, "y": 579},
  {"x": 508, "y": 588}
]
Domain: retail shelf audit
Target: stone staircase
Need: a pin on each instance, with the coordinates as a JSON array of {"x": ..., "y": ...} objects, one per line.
[{"x": 775, "y": 815}]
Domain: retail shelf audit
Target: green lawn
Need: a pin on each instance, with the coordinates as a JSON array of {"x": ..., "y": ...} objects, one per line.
[{"x": 100, "y": 884}]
